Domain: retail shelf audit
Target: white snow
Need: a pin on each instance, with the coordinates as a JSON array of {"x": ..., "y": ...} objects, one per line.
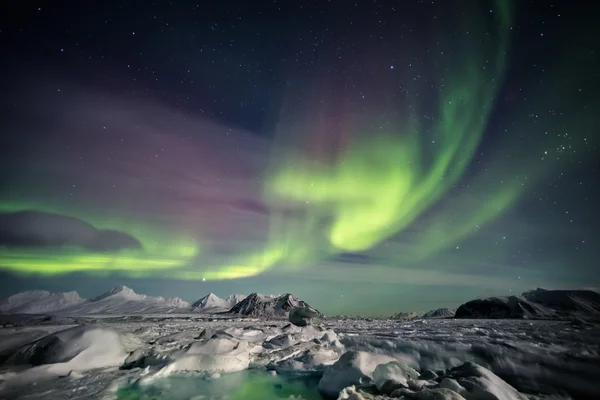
[
  {"x": 511, "y": 356},
  {"x": 354, "y": 367},
  {"x": 77, "y": 349},
  {"x": 395, "y": 371},
  {"x": 481, "y": 383}
]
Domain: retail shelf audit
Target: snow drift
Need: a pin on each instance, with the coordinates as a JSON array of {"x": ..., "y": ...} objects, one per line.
[{"x": 67, "y": 353}]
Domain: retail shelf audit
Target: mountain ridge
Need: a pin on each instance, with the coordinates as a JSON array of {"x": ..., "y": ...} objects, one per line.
[
  {"x": 535, "y": 304},
  {"x": 269, "y": 305},
  {"x": 124, "y": 300}
]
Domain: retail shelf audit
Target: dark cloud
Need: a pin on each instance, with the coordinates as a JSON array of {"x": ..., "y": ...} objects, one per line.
[{"x": 41, "y": 229}]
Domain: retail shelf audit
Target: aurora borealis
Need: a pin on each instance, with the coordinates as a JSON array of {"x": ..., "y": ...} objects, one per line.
[{"x": 416, "y": 154}]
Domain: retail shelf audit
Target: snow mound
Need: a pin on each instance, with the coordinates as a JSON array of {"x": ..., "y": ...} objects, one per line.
[
  {"x": 536, "y": 304},
  {"x": 305, "y": 350},
  {"x": 258, "y": 305},
  {"x": 83, "y": 347},
  {"x": 467, "y": 381},
  {"x": 481, "y": 383},
  {"x": 67, "y": 352},
  {"x": 394, "y": 371},
  {"x": 353, "y": 367},
  {"x": 217, "y": 354},
  {"x": 208, "y": 302},
  {"x": 39, "y": 302}
]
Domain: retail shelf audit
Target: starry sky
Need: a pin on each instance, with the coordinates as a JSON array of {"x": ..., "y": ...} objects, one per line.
[{"x": 368, "y": 156}]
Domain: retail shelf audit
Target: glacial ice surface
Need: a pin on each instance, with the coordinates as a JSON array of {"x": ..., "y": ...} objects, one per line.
[{"x": 206, "y": 357}]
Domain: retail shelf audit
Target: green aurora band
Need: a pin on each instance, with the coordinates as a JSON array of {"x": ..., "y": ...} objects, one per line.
[
  {"x": 161, "y": 250},
  {"x": 381, "y": 183}
]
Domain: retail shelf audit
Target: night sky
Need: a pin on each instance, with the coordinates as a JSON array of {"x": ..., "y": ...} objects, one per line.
[{"x": 368, "y": 156}]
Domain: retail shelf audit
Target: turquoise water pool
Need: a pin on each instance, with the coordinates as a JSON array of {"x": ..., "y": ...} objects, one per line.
[{"x": 245, "y": 385}]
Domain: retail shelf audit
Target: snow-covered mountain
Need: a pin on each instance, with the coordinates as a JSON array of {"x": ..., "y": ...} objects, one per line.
[
  {"x": 406, "y": 316},
  {"x": 439, "y": 313},
  {"x": 233, "y": 299},
  {"x": 536, "y": 304},
  {"x": 118, "y": 300},
  {"x": 213, "y": 303},
  {"x": 585, "y": 302},
  {"x": 121, "y": 292},
  {"x": 39, "y": 302},
  {"x": 210, "y": 302},
  {"x": 259, "y": 305},
  {"x": 123, "y": 300},
  {"x": 176, "y": 302}
]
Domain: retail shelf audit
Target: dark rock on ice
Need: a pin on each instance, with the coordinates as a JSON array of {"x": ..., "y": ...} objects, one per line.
[
  {"x": 428, "y": 375},
  {"x": 302, "y": 316}
]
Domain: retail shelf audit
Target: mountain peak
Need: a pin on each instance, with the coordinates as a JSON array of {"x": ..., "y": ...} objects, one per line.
[
  {"x": 121, "y": 291},
  {"x": 233, "y": 299},
  {"x": 268, "y": 305},
  {"x": 211, "y": 300},
  {"x": 121, "y": 288}
]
